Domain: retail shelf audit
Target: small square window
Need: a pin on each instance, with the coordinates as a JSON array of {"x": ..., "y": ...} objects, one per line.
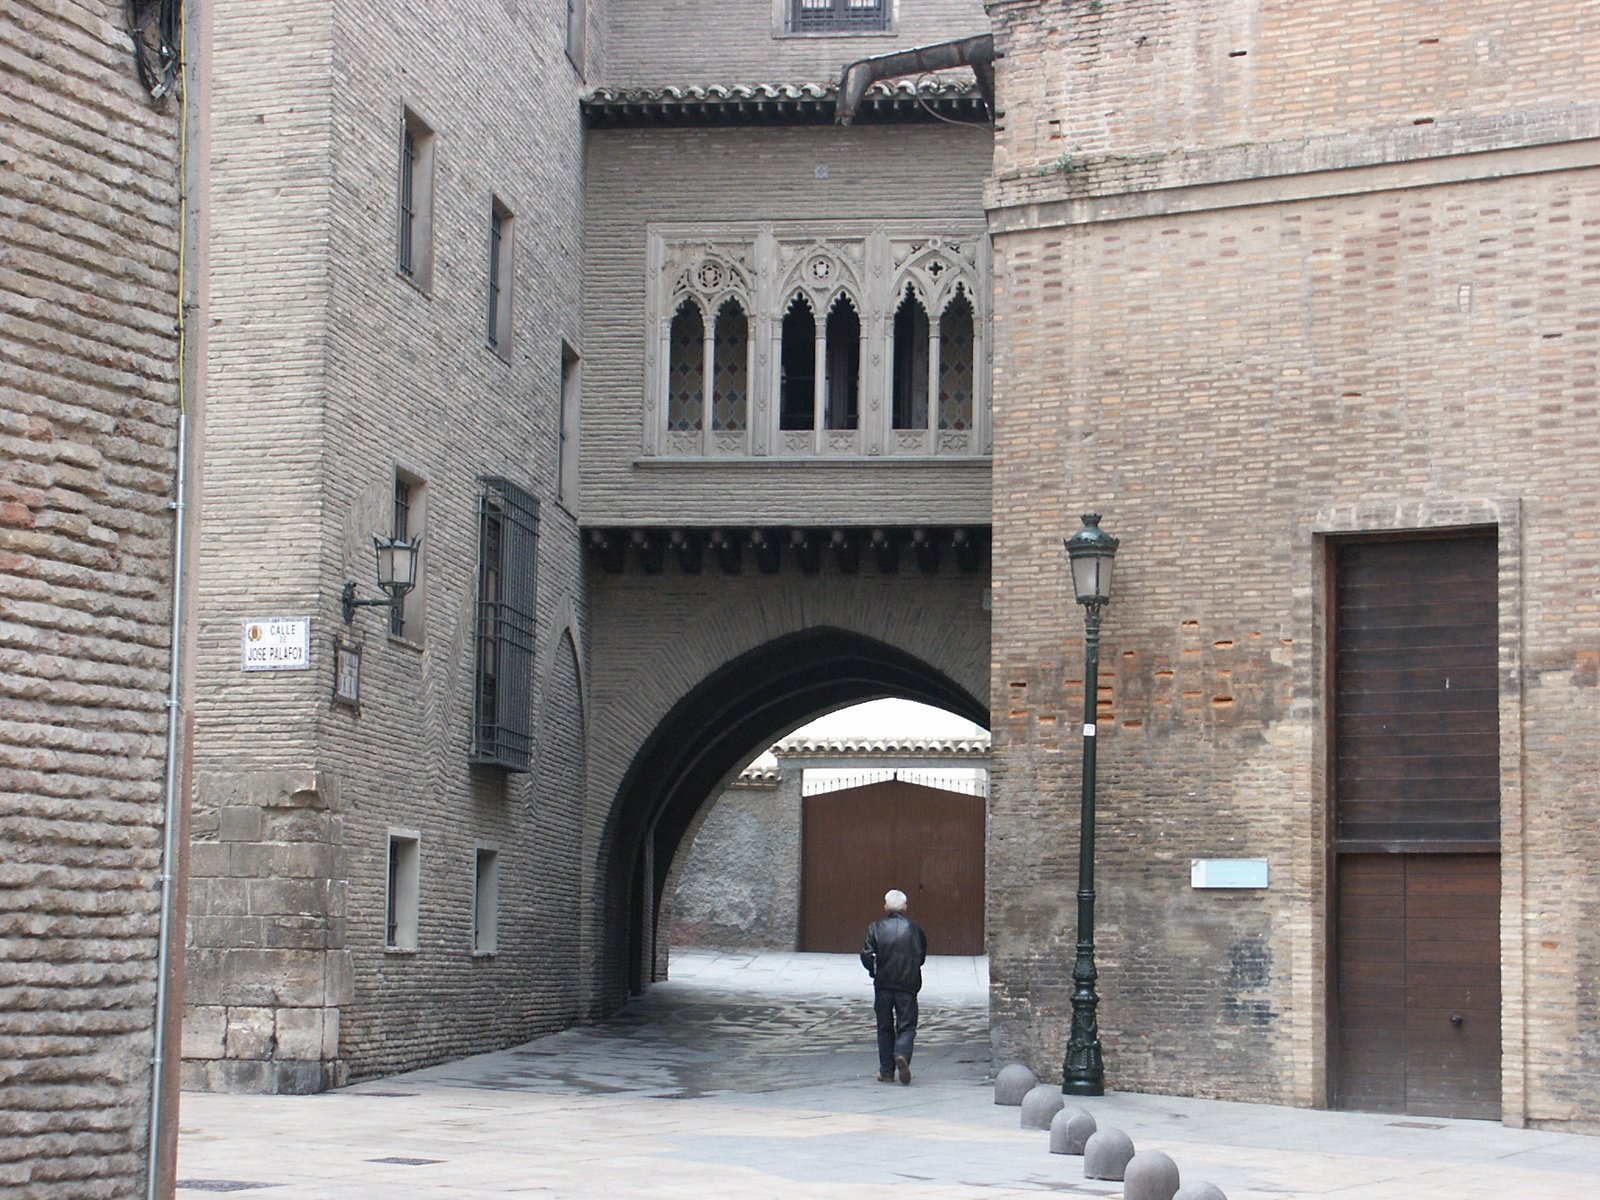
[
  {"x": 501, "y": 278},
  {"x": 414, "y": 255},
  {"x": 486, "y": 902},
  {"x": 400, "y": 924}
]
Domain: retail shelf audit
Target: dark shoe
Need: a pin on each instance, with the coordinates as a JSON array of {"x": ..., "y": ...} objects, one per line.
[
  {"x": 904, "y": 1067},
  {"x": 885, "y": 1078}
]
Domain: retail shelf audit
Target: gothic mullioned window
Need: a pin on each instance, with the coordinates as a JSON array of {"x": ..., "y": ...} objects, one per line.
[
  {"x": 798, "y": 381},
  {"x": 956, "y": 364},
  {"x": 730, "y": 378},
  {"x": 910, "y": 363},
  {"x": 823, "y": 339},
  {"x": 686, "y": 379}
]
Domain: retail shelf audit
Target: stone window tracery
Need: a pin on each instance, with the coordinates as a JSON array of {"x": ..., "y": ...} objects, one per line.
[{"x": 833, "y": 339}]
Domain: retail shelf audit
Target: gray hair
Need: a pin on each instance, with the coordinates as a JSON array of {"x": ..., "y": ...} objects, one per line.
[{"x": 894, "y": 900}]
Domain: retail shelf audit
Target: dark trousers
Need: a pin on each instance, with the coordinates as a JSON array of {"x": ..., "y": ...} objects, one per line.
[{"x": 897, "y": 1026}]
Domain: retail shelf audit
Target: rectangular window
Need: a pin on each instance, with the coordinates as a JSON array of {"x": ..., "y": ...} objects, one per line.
[
  {"x": 400, "y": 926},
  {"x": 508, "y": 539},
  {"x": 577, "y": 17},
  {"x": 500, "y": 278},
  {"x": 567, "y": 432},
  {"x": 839, "y": 16},
  {"x": 410, "y": 509},
  {"x": 414, "y": 257},
  {"x": 486, "y": 902}
]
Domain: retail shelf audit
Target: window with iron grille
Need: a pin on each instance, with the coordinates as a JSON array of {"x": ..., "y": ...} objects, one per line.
[
  {"x": 500, "y": 278},
  {"x": 508, "y": 539},
  {"x": 414, "y": 233},
  {"x": 839, "y": 16},
  {"x": 401, "y": 531}
]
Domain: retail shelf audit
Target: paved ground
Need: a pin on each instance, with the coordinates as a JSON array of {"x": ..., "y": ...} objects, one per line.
[{"x": 755, "y": 1076}]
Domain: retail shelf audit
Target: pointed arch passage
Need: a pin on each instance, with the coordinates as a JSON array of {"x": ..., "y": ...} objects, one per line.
[
  {"x": 730, "y": 378},
  {"x": 957, "y": 364},
  {"x": 737, "y": 710},
  {"x": 686, "y": 378},
  {"x": 910, "y": 363},
  {"x": 844, "y": 365},
  {"x": 798, "y": 384}
]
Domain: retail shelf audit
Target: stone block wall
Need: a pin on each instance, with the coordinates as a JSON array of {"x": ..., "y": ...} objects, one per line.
[
  {"x": 88, "y": 411},
  {"x": 1362, "y": 321},
  {"x": 736, "y": 884}
]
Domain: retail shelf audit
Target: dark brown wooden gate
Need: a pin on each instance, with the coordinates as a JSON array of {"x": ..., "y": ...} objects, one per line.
[
  {"x": 1416, "y": 785},
  {"x": 857, "y": 843}
]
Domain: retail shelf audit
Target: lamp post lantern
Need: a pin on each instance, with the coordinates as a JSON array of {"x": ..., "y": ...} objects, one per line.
[{"x": 1090, "y": 551}]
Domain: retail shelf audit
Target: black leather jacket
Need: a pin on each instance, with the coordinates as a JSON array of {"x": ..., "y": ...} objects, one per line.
[{"x": 893, "y": 955}]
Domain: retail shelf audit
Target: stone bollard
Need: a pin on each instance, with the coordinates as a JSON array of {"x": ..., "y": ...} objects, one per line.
[
  {"x": 1106, "y": 1155},
  {"x": 1199, "y": 1191},
  {"x": 1013, "y": 1083},
  {"x": 1040, "y": 1104},
  {"x": 1070, "y": 1130},
  {"x": 1151, "y": 1175}
]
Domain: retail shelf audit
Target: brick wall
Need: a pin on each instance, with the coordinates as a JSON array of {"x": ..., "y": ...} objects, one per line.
[
  {"x": 88, "y": 407},
  {"x": 1233, "y": 371},
  {"x": 657, "y": 637},
  {"x": 346, "y": 374},
  {"x": 686, "y": 42},
  {"x": 917, "y": 175},
  {"x": 1184, "y": 90}
]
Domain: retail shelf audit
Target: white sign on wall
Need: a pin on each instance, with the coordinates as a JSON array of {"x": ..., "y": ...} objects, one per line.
[
  {"x": 276, "y": 644},
  {"x": 1228, "y": 872}
]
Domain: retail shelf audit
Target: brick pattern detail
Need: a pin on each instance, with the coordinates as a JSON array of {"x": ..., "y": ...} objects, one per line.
[
  {"x": 88, "y": 408},
  {"x": 1232, "y": 379}
]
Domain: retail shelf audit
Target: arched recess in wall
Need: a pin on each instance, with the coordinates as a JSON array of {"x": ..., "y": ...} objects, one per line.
[
  {"x": 556, "y": 818},
  {"x": 736, "y": 711}
]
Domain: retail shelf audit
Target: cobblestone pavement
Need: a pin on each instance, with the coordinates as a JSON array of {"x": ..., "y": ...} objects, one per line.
[{"x": 755, "y": 1076}]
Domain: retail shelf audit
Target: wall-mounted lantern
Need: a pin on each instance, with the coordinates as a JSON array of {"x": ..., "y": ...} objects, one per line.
[{"x": 397, "y": 575}]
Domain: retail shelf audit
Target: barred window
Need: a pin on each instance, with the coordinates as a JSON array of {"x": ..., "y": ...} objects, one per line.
[
  {"x": 839, "y": 16},
  {"x": 414, "y": 249},
  {"x": 501, "y": 275},
  {"x": 508, "y": 539}
]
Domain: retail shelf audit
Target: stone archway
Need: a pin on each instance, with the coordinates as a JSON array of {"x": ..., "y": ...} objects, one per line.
[{"x": 710, "y": 733}]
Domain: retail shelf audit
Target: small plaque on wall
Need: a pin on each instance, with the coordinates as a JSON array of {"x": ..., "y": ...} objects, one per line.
[
  {"x": 1228, "y": 873},
  {"x": 346, "y": 673}
]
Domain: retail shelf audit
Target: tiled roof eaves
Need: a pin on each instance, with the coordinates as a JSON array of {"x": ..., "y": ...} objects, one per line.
[{"x": 783, "y": 104}]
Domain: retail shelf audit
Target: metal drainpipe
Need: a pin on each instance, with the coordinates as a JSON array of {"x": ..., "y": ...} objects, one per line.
[{"x": 174, "y": 704}]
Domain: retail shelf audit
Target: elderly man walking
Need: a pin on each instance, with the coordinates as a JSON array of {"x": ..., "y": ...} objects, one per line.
[{"x": 893, "y": 956}]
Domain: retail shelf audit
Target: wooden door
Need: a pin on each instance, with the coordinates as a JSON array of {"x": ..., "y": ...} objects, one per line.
[
  {"x": 1416, "y": 782},
  {"x": 1418, "y": 1008},
  {"x": 857, "y": 843}
]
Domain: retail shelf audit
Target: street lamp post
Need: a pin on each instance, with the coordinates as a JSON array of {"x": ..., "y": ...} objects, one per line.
[{"x": 1090, "y": 551}]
